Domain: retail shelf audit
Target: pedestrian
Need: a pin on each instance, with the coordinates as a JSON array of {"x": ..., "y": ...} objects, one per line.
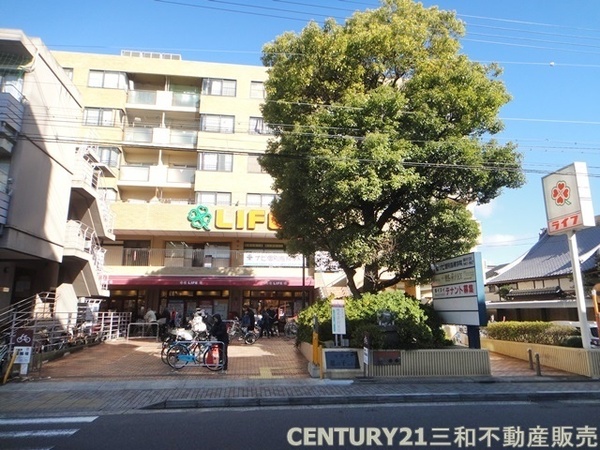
[
  {"x": 265, "y": 324},
  {"x": 150, "y": 316},
  {"x": 219, "y": 331}
]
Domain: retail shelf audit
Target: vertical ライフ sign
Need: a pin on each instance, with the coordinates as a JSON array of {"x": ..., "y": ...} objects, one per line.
[{"x": 568, "y": 199}]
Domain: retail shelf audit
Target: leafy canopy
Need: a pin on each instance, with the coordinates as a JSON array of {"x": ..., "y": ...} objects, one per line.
[{"x": 381, "y": 141}]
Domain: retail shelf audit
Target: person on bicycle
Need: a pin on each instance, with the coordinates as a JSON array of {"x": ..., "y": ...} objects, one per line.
[{"x": 219, "y": 331}]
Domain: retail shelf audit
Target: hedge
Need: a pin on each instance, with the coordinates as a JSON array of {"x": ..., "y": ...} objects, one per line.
[
  {"x": 414, "y": 325},
  {"x": 533, "y": 332}
]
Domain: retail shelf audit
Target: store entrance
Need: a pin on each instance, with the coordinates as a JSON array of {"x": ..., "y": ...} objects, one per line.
[{"x": 284, "y": 304}]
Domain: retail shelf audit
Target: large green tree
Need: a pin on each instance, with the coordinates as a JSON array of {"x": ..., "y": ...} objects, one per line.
[{"x": 382, "y": 138}]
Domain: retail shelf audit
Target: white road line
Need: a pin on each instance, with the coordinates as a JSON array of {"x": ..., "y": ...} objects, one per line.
[
  {"x": 40, "y": 420},
  {"x": 37, "y": 433}
]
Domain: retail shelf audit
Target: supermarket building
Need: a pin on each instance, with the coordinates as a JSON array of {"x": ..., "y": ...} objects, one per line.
[{"x": 174, "y": 210}]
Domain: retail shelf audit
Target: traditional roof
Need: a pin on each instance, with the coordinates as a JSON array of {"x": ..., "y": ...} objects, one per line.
[{"x": 550, "y": 257}]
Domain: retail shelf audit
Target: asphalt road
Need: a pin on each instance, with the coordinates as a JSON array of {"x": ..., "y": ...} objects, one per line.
[{"x": 481, "y": 425}]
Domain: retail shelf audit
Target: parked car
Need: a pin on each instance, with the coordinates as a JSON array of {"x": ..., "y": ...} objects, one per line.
[{"x": 595, "y": 342}]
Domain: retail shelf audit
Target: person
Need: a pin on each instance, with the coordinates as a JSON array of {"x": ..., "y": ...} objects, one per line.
[
  {"x": 265, "y": 324},
  {"x": 150, "y": 316},
  {"x": 219, "y": 331}
]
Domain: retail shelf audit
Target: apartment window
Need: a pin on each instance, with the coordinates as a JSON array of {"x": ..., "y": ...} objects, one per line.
[
  {"x": 216, "y": 123},
  {"x": 263, "y": 200},
  {"x": 257, "y": 126},
  {"x": 69, "y": 72},
  {"x": 253, "y": 165},
  {"x": 257, "y": 89},
  {"x": 109, "y": 156},
  {"x": 215, "y": 86},
  {"x": 107, "y": 79},
  {"x": 213, "y": 198},
  {"x": 215, "y": 162},
  {"x": 99, "y": 117}
]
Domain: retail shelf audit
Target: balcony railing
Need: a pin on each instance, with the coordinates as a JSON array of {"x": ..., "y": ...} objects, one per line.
[
  {"x": 159, "y": 175},
  {"x": 161, "y": 136},
  {"x": 163, "y": 99},
  {"x": 190, "y": 257}
]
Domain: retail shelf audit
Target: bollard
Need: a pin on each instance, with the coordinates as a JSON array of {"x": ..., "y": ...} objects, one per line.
[
  {"x": 538, "y": 367},
  {"x": 530, "y": 353}
]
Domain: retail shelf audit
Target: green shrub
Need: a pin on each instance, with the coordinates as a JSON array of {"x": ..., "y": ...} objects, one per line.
[
  {"x": 531, "y": 332},
  {"x": 414, "y": 325}
]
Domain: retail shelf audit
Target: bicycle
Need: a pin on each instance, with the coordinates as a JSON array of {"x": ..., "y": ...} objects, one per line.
[
  {"x": 179, "y": 336},
  {"x": 241, "y": 333},
  {"x": 290, "y": 330},
  {"x": 208, "y": 354}
]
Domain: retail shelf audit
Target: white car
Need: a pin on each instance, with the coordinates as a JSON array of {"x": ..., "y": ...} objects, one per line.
[{"x": 595, "y": 342}]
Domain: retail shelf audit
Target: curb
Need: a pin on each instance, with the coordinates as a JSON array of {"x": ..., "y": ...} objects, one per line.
[{"x": 371, "y": 399}]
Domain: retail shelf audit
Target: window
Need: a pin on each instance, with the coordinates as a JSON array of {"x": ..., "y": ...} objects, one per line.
[
  {"x": 257, "y": 126},
  {"x": 213, "y": 198},
  {"x": 109, "y": 156},
  {"x": 264, "y": 246},
  {"x": 69, "y": 72},
  {"x": 213, "y": 86},
  {"x": 216, "y": 123},
  {"x": 257, "y": 89},
  {"x": 253, "y": 165},
  {"x": 99, "y": 117},
  {"x": 215, "y": 162},
  {"x": 107, "y": 79},
  {"x": 263, "y": 200}
]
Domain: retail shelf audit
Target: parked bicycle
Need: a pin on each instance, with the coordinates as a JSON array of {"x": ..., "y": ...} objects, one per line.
[
  {"x": 236, "y": 331},
  {"x": 208, "y": 354},
  {"x": 290, "y": 330}
]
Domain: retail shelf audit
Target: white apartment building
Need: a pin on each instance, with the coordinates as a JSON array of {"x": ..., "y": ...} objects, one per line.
[
  {"x": 191, "y": 203},
  {"x": 53, "y": 223}
]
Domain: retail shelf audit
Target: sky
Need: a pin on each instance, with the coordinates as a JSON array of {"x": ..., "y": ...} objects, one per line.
[{"x": 549, "y": 51}]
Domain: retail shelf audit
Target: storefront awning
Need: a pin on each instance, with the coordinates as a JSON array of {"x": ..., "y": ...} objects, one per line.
[{"x": 117, "y": 281}]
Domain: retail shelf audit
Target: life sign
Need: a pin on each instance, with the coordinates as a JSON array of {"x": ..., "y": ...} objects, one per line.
[{"x": 568, "y": 199}]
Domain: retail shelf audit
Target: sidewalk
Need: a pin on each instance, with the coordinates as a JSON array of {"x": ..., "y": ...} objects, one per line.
[{"x": 122, "y": 376}]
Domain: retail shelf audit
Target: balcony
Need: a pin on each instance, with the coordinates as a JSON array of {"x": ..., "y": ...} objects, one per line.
[
  {"x": 163, "y": 100},
  {"x": 158, "y": 175},
  {"x": 161, "y": 136},
  {"x": 11, "y": 114}
]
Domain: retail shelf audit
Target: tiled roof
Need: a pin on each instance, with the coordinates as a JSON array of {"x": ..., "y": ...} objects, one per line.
[{"x": 550, "y": 257}]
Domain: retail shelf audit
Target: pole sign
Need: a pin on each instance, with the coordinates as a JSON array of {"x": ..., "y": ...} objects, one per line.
[
  {"x": 458, "y": 290},
  {"x": 568, "y": 199},
  {"x": 338, "y": 316}
]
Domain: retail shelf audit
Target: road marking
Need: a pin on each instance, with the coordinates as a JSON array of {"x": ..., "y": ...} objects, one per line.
[
  {"x": 37, "y": 433},
  {"x": 47, "y": 420}
]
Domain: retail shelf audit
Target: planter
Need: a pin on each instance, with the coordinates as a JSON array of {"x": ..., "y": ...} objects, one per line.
[
  {"x": 574, "y": 360},
  {"x": 452, "y": 361}
]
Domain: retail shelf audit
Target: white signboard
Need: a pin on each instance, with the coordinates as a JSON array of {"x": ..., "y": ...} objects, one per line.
[
  {"x": 265, "y": 259},
  {"x": 338, "y": 317},
  {"x": 568, "y": 199},
  {"x": 458, "y": 290}
]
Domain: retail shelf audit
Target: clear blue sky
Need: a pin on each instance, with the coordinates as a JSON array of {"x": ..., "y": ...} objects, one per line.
[{"x": 549, "y": 49}]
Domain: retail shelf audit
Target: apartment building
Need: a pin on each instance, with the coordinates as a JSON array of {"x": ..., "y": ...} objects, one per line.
[
  {"x": 53, "y": 223},
  {"x": 191, "y": 204}
]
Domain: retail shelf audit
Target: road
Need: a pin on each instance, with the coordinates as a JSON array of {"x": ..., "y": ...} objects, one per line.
[{"x": 483, "y": 425}]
